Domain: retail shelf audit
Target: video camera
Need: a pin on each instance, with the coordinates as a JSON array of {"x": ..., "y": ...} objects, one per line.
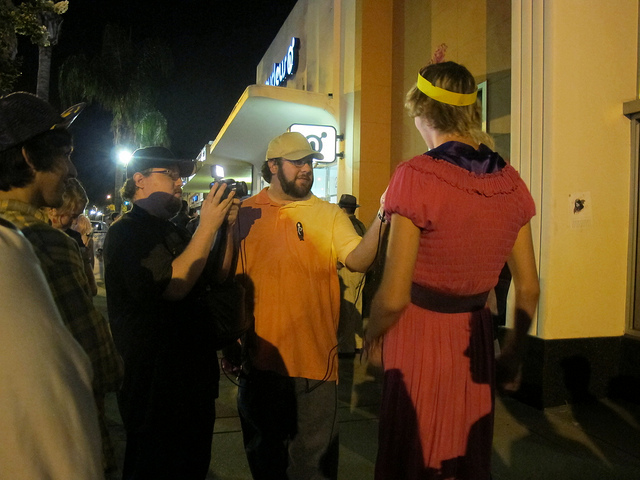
[{"x": 240, "y": 188}]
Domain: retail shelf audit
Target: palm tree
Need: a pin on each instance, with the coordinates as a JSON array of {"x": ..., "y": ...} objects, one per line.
[
  {"x": 40, "y": 20},
  {"x": 9, "y": 65},
  {"x": 52, "y": 21},
  {"x": 124, "y": 79}
]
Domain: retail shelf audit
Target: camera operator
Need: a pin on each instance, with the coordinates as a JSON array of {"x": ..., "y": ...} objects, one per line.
[{"x": 160, "y": 326}]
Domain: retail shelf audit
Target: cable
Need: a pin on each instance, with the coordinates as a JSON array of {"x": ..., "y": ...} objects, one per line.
[{"x": 227, "y": 375}]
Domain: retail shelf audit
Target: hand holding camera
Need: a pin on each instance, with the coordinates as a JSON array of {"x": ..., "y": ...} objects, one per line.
[
  {"x": 240, "y": 188},
  {"x": 215, "y": 207}
]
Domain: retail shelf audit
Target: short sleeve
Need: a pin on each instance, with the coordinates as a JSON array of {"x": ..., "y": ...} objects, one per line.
[
  {"x": 406, "y": 184},
  {"x": 345, "y": 238},
  {"x": 528, "y": 204}
]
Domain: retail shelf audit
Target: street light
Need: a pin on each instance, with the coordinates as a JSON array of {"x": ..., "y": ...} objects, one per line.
[{"x": 123, "y": 156}]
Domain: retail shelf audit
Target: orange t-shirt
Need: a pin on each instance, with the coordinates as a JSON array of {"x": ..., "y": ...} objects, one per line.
[{"x": 289, "y": 253}]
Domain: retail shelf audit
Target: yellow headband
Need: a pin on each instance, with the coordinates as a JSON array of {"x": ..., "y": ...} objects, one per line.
[{"x": 445, "y": 96}]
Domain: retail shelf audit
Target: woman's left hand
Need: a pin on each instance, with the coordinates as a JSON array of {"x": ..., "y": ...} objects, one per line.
[{"x": 372, "y": 351}]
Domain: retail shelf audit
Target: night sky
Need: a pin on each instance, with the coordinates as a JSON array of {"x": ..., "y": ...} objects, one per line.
[{"x": 216, "y": 46}]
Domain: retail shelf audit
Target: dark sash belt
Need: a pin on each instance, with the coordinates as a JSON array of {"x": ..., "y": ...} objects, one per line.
[{"x": 440, "y": 302}]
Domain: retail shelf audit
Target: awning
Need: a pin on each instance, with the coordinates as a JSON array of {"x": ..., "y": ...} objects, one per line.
[{"x": 262, "y": 113}]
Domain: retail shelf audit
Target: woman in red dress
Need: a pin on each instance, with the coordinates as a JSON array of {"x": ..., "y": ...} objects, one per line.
[{"x": 457, "y": 213}]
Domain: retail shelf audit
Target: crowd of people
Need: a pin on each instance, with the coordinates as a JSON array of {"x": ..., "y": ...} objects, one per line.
[{"x": 454, "y": 216}]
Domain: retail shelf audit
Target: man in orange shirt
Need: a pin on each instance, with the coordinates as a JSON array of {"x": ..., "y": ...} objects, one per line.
[{"x": 291, "y": 243}]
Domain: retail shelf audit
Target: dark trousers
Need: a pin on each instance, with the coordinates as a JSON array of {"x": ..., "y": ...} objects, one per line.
[
  {"x": 171, "y": 443},
  {"x": 289, "y": 426}
]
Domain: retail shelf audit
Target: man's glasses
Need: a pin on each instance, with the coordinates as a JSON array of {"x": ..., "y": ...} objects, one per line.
[
  {"x": 302, "y": 162},
  {"x": 172, "y": 174}
]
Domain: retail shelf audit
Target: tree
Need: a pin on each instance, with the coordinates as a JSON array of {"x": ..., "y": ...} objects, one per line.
[
  {"x": 41, "y": 20},
  {"x": 9, "y": 63},
  {"x": 125, "y": 80}
]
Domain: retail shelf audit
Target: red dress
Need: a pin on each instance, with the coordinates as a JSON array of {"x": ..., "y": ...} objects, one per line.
[{"x": 436, "y": 418}]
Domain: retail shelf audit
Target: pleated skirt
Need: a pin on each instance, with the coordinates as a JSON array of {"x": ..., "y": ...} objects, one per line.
[{"x": 436, "y": 419}]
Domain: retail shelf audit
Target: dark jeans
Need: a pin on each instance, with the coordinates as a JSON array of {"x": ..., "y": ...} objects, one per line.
[
  {"x": 172, "y": 444},
  {"x": 289, "y": 426}
]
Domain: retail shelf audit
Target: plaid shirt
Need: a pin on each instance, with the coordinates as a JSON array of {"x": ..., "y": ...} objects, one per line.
[{"x": 63, "y": 268}]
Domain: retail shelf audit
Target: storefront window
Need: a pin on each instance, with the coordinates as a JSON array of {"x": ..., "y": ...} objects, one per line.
[{"x": 325, "y": 182}]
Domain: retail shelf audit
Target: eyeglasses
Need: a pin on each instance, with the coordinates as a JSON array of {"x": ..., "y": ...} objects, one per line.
[
  {"x": 302, "y": 162},
  {"x": 172, "y": 174}
]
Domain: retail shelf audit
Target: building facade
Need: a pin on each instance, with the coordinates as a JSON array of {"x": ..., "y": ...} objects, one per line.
[{"x": 560, "y": 91}]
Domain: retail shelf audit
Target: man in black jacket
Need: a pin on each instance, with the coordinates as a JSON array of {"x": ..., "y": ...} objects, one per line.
[{"x": 155, "y": 274}]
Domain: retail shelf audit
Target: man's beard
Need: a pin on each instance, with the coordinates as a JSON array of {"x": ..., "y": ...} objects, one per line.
[{"x": 291, "y": 188}]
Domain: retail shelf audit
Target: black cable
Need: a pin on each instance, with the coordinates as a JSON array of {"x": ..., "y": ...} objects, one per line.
[
  {"x": 333, "y": 352},
  {"x": 226, "y": 374}
]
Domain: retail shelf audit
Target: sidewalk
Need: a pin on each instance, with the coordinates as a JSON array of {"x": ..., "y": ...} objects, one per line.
[{"x": 597, "y": 441}]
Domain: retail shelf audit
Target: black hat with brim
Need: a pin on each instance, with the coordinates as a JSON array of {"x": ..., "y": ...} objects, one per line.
[
  {"x": 158, "y": 157},
  {"x": 24, "y": 116},
  {"x": 347, "y": 200}
]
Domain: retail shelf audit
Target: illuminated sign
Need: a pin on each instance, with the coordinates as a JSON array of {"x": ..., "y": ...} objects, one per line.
[
  {"x": 322, "y": 138},
  {"x": 287, "y": 67}
]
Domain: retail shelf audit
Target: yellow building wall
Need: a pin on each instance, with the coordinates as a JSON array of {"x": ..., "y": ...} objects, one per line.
[
  {"x": 373, "y": 100},
  {"x": 590, "y": 58},
  {"x": 477, "y": 34}
]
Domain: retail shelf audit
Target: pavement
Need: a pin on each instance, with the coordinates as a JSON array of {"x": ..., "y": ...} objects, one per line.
[{"x": 599, "y": 440}]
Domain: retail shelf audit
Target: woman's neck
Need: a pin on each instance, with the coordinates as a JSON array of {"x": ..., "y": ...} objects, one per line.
[{"x": 438, "y": 138}]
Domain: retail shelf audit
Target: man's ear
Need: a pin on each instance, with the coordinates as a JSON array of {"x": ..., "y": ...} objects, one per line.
[
  {"x": 138, "y": 179},
  {"x": 273, "y": 165},
  {"x": 25, "y": 155}
]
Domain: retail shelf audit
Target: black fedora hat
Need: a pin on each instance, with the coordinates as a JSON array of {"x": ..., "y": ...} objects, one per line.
[
  {"x": 347, "y": 200},
  {"x": 23, "y": 116},
  {"x": 155, "y": 157}
]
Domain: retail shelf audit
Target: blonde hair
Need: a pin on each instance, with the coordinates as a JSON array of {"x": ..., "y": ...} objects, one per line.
[
  {"x": 74, "y": 196},
  {"x": 84, "y": 227},
  {"x": 461, "y": 120}
]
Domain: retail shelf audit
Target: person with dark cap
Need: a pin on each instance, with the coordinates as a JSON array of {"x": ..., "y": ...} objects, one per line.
[
  {"x": 351, "y": 287},
  {"x": 154, "y": 274},
  {"x": 291, "y": 242},
  {"x": 349, "y": 204},
  {"x": 35, "y": 167}
]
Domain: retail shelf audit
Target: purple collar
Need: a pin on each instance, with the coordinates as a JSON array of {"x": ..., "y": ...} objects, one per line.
[{"x": 483, "y": 160}]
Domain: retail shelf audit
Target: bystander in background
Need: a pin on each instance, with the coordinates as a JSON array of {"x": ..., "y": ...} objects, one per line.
[
  {"x": 65, "y": 217},
  {"x": 84, "y": 227},
  {"x": 351, "y": 288}
]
